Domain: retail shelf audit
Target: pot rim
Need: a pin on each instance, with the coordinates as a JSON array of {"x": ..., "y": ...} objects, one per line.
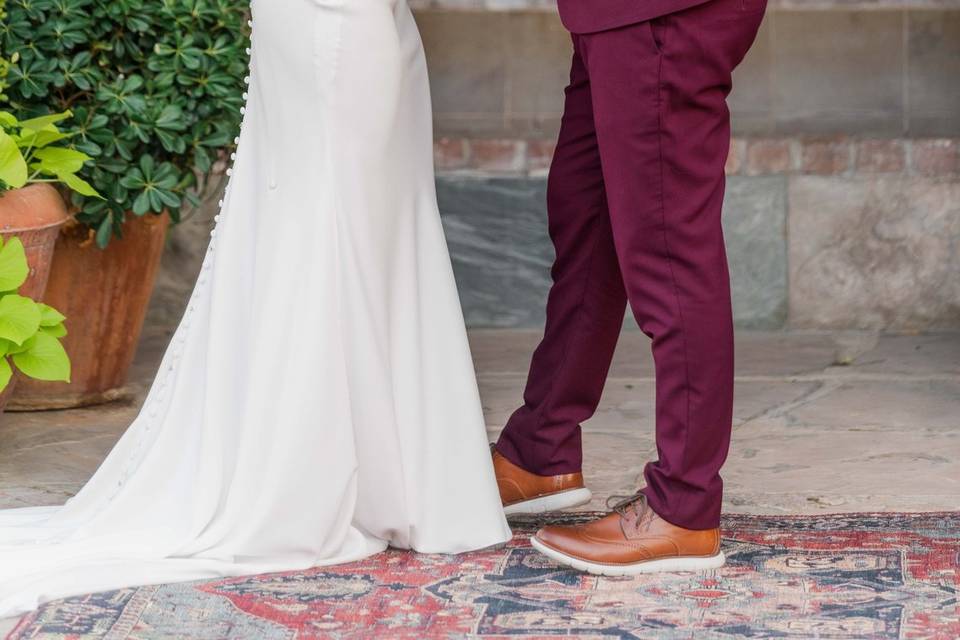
[
  {"x": 13, "y": 230},
  {"x": 8, "y": 229}
]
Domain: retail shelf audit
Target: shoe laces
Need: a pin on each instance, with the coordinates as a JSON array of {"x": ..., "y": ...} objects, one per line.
[{"x": 636, "y": 502}]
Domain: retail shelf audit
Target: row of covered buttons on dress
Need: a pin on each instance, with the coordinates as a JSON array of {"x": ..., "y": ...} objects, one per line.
[{"x": 158, "y": 395}]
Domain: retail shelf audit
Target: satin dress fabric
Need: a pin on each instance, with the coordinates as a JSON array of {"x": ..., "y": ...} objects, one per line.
[{"x": 318, "y": 401}]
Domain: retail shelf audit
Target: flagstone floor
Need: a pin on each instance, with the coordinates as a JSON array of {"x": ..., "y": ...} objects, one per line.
[{"x": 823, "y": 423}]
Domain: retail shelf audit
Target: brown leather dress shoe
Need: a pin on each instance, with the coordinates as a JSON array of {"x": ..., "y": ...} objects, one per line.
[
  {"x": 525, "y": 493},
  {"x": 631, "y": 540}
]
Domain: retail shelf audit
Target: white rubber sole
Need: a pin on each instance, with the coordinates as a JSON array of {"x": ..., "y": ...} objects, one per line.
[
  {"x": 552, "y": 502},
  {"x": 652, "y": 566}
]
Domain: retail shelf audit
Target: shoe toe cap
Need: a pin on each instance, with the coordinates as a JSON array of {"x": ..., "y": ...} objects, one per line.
[{"x": 557, "y": 537}]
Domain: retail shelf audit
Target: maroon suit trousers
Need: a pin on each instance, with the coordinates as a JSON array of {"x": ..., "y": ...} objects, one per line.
[{"x": 634, "y": 200}]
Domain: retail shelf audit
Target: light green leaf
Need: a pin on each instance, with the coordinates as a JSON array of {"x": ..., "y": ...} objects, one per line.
[
  {"x": 45, "y": 121},
  {"x": 57, "y": 160},
  {"x": 79, "y": 185},
  {"x": 13, "y": 168},
  {"x": 50, "y": 317},
  {"x": 39, "y": 139},
  {"x": 44, "y": 359},
  {"x": 12, "y": 348},
  {"x": 13, "y": 265},
  {"x": 8, "y": 348},
  {"x": 57, "y": 330},
  {"x": 7, "y": 119},
  {"x": 19, "y": 318},
  {"x": 6, "y": 372}
]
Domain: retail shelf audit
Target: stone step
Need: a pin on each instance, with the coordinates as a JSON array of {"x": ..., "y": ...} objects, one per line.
[
  {"x": 868, "y": 251},
  {"x": 497, "y": 232}
]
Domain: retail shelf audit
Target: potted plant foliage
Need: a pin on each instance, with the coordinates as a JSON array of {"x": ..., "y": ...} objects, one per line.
[
  {"x": 30, "y": 332},
  {"x": 155, "y": 89},
  {"x": 32, "y": 158}
]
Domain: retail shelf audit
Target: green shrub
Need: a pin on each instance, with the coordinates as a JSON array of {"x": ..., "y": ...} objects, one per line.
[{"x": 155, "y": 87}]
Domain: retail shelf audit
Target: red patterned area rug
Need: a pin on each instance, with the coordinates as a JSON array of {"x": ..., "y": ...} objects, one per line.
[{"x": 835, "y": 576}]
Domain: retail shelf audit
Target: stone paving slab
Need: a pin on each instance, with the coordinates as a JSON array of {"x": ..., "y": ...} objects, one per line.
[
  {"x": 881, "y": 432},
  {"x": 628, "y": 404},
  {"x": 917, "y": 355},
  {"x": 758, "y": 354},
  {"x": 845, "y": 462},
  {"x": 886, "y": 405},
  {"x": 823, "y": 421}
]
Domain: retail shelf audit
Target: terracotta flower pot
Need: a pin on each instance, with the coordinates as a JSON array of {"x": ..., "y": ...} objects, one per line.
[
  {"x": 104, "y": 294},
  {"x": 34, "y": 214}
]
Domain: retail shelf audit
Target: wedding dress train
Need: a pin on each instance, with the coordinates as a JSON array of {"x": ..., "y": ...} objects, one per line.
[{"x": 317, "y": 401}]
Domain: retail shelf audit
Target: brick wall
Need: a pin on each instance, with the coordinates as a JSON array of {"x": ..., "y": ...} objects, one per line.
[{"x": 749, "y": 156}]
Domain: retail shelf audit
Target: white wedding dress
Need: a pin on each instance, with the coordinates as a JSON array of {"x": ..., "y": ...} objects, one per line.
[{"x": 318, "y": 400}]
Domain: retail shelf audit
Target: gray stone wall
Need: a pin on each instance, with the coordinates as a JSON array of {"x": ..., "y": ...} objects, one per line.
[
  {"x": 891, "y": 71},
  {"x": 496, "y": 229},
  {"x": 805, "y": 251}
]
